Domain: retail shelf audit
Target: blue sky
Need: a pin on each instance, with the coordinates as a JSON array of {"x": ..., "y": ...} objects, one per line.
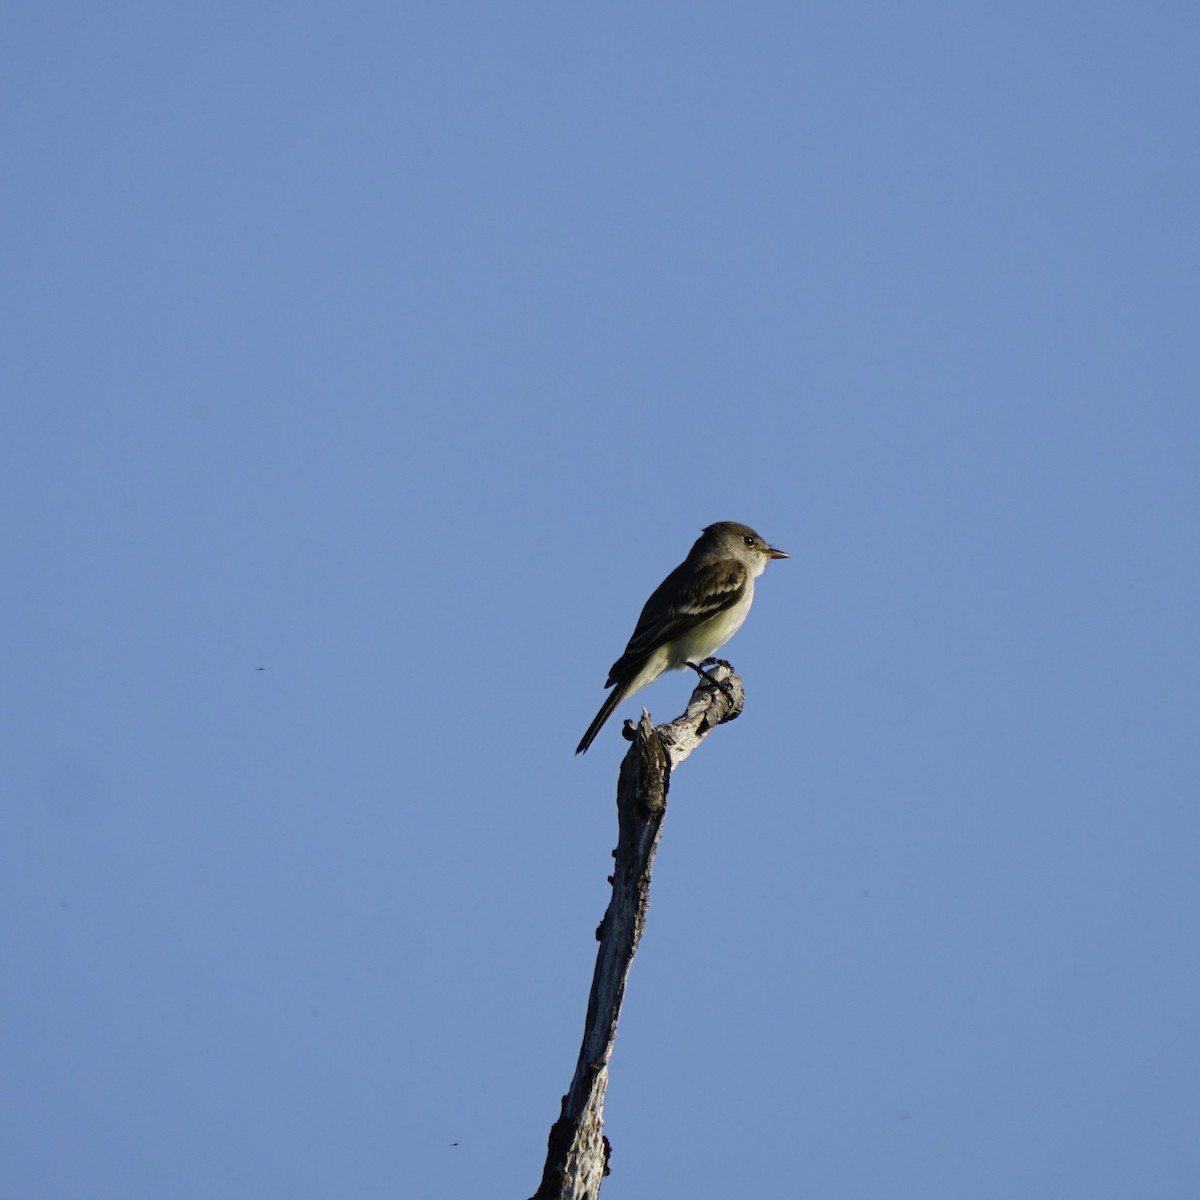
[{"x": 399, "y": 351}]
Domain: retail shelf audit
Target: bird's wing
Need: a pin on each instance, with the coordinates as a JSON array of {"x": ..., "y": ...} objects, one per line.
[{"x": 705, "y": 593}]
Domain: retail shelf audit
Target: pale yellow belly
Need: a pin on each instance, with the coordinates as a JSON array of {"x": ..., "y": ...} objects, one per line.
[{"x": 698, "y": 644}]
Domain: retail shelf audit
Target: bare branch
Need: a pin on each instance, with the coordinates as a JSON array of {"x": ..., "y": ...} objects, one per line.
[
  {"x": 578, "y": 1152},
  {"x": 718, "y": 698}
]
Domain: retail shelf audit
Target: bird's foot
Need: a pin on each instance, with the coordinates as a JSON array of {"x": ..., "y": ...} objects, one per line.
[{"x": 708, "y": 675}]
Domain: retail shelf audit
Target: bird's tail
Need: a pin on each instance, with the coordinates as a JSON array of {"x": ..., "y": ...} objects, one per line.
[{"x": 619, "y": 692}]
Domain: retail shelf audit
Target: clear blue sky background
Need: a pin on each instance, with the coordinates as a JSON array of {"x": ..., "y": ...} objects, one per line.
[{"x": 399, "y": 351}]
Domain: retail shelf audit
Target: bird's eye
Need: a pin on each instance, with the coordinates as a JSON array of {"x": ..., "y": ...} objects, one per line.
[{"x": 748, "y": 540}]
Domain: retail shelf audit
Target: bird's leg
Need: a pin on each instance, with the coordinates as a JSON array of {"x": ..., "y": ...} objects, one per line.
[
  {"x": 703, "y": 673},
  {"x": 721, "y": 683}
]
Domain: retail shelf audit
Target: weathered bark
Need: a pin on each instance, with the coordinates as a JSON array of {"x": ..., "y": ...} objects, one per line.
[{"x": 578, "y": 1152}]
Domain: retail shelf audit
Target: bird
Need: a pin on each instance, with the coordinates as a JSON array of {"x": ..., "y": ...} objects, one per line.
[{"x": 691, "y": 614}]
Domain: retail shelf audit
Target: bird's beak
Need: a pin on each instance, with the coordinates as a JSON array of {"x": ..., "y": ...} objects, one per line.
[{"x": 773, "y": 553}]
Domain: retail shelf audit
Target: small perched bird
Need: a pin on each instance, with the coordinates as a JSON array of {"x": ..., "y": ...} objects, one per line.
[{"x": 692, "y": 614}]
